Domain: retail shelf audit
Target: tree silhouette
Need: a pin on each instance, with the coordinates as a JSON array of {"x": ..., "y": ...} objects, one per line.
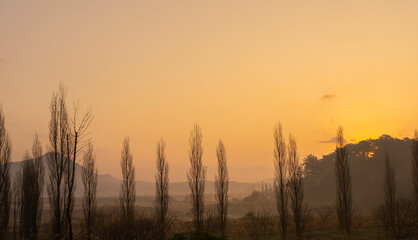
[
  {"x": 415, "y": 170},
  {"x": 161, "y": 186},
  {"x": 196, "y": 177},
  {"x": 367, "y": 164},
  {"x": 295, "y": 184},
  {"x": 66, "y": 137},
  {"x": 57, "y": 162},
  {"x": 89, "y": 178},
  {"x": 31, "y": 188},
  {"x": 5, "y": 152},
  {"x": 397, "y": 215},
  {"x": 344, "y": 202},
  {"x": 280, "y": 176},
  {"x": 127, "y": 194},
  {"x": 75, "y": 142},
  {"x": 17, "y": 207},
  {"x": 390, "y": 195},
  {"x": 222, "y": 187}
]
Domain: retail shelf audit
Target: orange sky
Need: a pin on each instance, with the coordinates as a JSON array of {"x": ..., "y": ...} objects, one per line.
[{"x": 151, "y": 69}]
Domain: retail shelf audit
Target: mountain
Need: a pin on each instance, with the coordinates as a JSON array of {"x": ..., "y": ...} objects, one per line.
[
  {"x": 367, "y": 162},
  {"x": 108, "y": 186}
]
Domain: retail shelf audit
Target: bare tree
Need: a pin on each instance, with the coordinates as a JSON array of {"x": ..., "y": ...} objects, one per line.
[
  {"x": 222, "y": 187},
  {"x": 280, "y": 176},
  {"x": 196, "y": 177},
  {"x": 38, "y": 186},
  {"x": 390, "y": 195},
  {"x": 89, "y": 177},
  {"x": 324, "y": 214},
  {"x": 390, "y": 191},
  {"x": 5, "y": 152},
  {"x": 69, "y": 183},
  {"x": 17, "y": 199},
  {"x": 415, "y": 171},
  {"x": 127, "y": 194},
  {"x": 404, "y": 219},
  {"x": 17, "y": 207},
  {"x": 31, "y": 188},
  {"x": 396, "y": 215},
  {"x": 259, "y": 225},
  {"x": 75, "y": 142},
  {"x": 344, "y": 202},
  {"x": 211, "y": 220},
  {"x": 57, "y": 162},
  {"x": 66, "y": 136},
  {"x": 295, "y": 185},
  {"x": 161, "y": 186},
  {"x": 306, "y": 219}
]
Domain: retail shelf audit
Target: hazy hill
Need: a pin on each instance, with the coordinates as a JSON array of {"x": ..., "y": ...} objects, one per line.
[
  {"x": 366, "y": 163},
  {"x": 367, "y": 159},
  {"x": 109, "y": 185}
]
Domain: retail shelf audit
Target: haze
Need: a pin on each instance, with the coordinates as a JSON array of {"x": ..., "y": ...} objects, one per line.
[{"x": 151, "y": 69}]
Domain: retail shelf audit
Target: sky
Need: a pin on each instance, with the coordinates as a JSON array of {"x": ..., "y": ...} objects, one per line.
[{"x": 152, "y": 69}]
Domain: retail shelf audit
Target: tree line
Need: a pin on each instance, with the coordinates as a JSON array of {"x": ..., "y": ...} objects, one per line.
[{"x": 69, "y": 138}]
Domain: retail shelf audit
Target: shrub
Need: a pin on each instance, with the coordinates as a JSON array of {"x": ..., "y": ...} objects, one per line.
[
  {"x": 108, "y": 227},
  {"x": 196, "y": 236},
  {"x": 259, "y": 226}
]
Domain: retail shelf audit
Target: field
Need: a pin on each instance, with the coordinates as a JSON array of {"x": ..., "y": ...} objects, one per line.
[{"x": 249, "y": 218}]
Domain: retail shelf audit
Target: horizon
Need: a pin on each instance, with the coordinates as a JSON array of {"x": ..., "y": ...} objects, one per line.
[{"x": 233, "y": 180}]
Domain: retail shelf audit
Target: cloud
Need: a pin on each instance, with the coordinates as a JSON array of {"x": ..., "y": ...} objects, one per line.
[
  {"x": 332, "y": 140},
  {"x": 2, "y": 61},
  {"x": 328, "y": 97}
]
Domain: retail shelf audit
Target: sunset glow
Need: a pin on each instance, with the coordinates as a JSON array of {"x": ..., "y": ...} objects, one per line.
[{"x": 151, "y": 69}]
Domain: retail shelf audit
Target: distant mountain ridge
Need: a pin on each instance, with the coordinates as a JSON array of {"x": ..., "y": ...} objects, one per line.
[
  {"x": 109, "y": 186},
  {"x": 106, "y": 186},
  {"x": 366, "y": 163}
]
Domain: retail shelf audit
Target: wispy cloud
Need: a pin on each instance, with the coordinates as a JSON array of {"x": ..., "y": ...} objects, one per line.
[
  {"x": 332, "y": 140},
  {"x": 328, "y": 97}
]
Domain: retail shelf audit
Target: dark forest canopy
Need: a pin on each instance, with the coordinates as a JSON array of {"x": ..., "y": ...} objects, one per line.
[{"x": 367, "y": 159}]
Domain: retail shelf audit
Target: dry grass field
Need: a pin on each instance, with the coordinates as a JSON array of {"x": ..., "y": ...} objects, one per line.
[{"x": 248, "y": 220}]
